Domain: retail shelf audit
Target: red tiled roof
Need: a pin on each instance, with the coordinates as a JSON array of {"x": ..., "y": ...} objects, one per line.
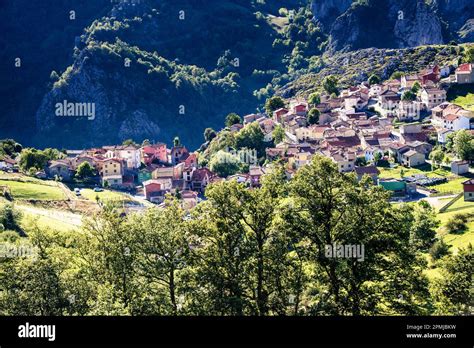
[
  {"x": 451, "y": 117},
  {"x": 464, "y": 68},
  {"x": 200, "y": 174}
]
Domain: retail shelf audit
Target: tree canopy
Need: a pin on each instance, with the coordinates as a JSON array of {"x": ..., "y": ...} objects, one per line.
[{"x": 272, "y": 250}]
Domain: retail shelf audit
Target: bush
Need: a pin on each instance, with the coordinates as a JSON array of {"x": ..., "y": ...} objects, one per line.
[
  {"x": 9, "y": 237},
  {"x": 457, "y": 224},
  {"x": 439, "y": 249},
  {"x": 10, "y": 217}
]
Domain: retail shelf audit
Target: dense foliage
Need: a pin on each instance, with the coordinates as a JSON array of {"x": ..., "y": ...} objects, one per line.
[{"x": 242, "y": 252}]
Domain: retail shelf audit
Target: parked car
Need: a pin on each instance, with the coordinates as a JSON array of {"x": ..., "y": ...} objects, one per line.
[
  {"x": 98, "y": 189},
  {"x": 77, "y": 191}
]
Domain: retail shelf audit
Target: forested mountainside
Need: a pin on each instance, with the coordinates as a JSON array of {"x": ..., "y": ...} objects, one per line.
[{"x": 158, "y": 69}]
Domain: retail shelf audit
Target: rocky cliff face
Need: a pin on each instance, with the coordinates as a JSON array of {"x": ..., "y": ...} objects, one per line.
[
  {"x": 327, "y": 10},
  {"x": 415, "y": 24},
  {"x": 455, "y": 12},
  {"x": 398, "y": 23}
]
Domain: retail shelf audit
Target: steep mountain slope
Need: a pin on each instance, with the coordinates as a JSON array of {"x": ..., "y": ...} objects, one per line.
[
  {"x": 394, "y": 23},
  {"x": 356, "y": 66},
  {"x": 189, "y": 65},
  {"x": 42, "y": 34},
  {"x": 160, "y": 68}
]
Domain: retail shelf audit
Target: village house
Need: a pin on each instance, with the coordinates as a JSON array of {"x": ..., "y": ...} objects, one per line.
[
  {"x": 465, "y": 73},
  {"x": 191, "y": 160},
  {"x": 372, "y": 171},
  {"x": 278, "y": 115},
  {"x": 77, "y": 161},
  {"x": 189, "y": 199},
  {"x": 178, "y": 154},
  {"x": 274, "y": 153},
  {"x": 311, "y": 133},
  {"x": 407, "y": 81},
  {"x": 256, "y": 173},
  {"x": 468, "y": 189},
  {"x": 7, "y": 162},
  {"x": 60, "y": 168},
  {"x": 408, "y": 111},
  {"x": 252, "y": 117},
  {"x": 130, "y": 154},
  {"x": 421, "y": 147},
  {"x": 396, "y": 150},
  {"x": 200, "y": 179},
  {"x": 430, "y": 74},
  {"x": 397, "y": 187},
  {"x": 442, "y": 135},
  {"x": 111, "y": 170},
  {"x": 411, "y": 132},
  {"x": 155, "y": 153},
  {"x": 460, "y": 167},
  {"x": 371, "y": 152},
  {"x": 153, "y": 191},
  {"x": 110, "y": 166},
  {"x": 299, "y": 107},
  {"x": 445, "y": 71},
  {"x": 354, "y": 103},
  {"x": 323, "y": 107},
  {"x": 345, "y": 160},
  {"x": 375, "y": 90},
  {"x": 241, "y": 178},
  {"x": 447, "y": 118},
  {"x": 412, "y": 158},
  {"x": 392, "y": 85},
  {"x": 300, "y": 159},
  {"x": 388, "y": 102},
  {"x": 268, "y": 126},
  {"x": 163, "y": 172},
  {"x": 236, "y": 127},
  {"x": 145, "y": 174},
  {"x": 294, "y": 124},
  {"x": 432, "y": 97}
]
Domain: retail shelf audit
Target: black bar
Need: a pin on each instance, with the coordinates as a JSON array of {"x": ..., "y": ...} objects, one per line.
[{"x": 225, "y": 331}]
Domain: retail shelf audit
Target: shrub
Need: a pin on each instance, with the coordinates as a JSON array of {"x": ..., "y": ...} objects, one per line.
[
  {"x": 10, "y": 217},
  {"x": 439, "y": 249},
  {"x": 457, "y": 224},
  {"x": 9, "y": 237}
]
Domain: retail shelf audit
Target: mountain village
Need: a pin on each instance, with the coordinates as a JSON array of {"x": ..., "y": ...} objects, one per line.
[{"x": 360, "y": 129}]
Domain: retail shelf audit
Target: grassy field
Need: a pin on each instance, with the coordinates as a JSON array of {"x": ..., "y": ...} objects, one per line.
[
  {"x": 462, "y": 239},
  {"x": 462, "y": 95},
  {"x": 56, "y": 221},
  {"x": 467, "y": 102},
  {"x": 454, "y": 184},
  {"x": 48, "y": 219},
  {"x": 104, "y": 196},
  {"x": 33, "y": 190},
  {"x": 424, "y": 170}
]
